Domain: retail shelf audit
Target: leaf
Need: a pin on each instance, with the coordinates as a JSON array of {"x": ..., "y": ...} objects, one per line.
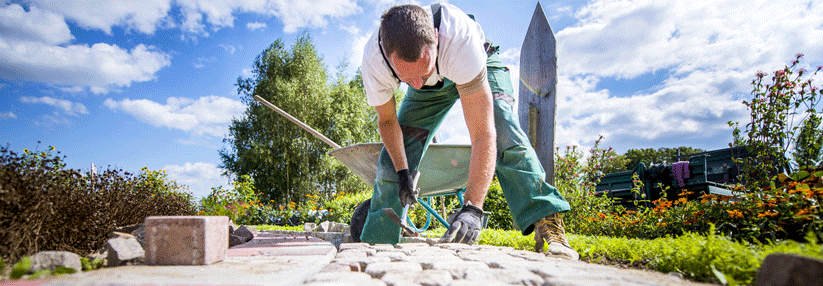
[
  {"x": 818, "y": 174},
  {"x": 40, "y": 274},
  {"x": 799, "y": 176},
  {"x": 783, "y": 177}
]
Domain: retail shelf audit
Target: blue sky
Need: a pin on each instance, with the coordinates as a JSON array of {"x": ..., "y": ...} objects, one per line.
[{"x": 132, "y": 84}]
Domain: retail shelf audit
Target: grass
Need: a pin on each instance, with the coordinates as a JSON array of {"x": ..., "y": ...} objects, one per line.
[{"x": 714, "y": 258}]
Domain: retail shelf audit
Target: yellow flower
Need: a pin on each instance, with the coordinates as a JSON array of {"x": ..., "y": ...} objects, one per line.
[
  {"x": 52, "y": 148},
  {"x": 26, "y": 151}
]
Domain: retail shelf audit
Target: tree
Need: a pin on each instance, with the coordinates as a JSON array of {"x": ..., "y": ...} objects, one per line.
[
  {"x": 651, "y": 156},
  {"x": 285, "y": 161}
]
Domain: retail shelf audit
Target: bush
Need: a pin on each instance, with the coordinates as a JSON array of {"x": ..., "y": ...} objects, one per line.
[{"x": 44, "y": 206}]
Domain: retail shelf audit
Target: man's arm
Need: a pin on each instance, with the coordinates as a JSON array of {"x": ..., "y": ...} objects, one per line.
[
  {"x": 390, "y": 133},
  {"x": 478, "y": 111}
]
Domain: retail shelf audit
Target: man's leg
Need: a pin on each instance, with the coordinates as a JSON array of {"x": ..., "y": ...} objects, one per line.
[
  {"x": 532, "y": 201},
  {"x": 420, "y": 115}
]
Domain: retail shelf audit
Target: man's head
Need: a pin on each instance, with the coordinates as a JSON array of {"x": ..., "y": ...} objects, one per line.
[{"x": 410, "y": 42}]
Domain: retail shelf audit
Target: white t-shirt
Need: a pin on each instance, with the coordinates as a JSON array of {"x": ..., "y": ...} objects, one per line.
[{"x": 460, "y": 56}]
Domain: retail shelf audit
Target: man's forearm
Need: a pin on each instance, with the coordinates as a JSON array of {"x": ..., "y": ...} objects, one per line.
[
  {"x": 479, "y": 112},
  {"x": 391, "y": 134}
]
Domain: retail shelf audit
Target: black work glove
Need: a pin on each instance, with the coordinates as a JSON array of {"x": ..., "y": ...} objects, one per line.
[
  {"x": 406, "y": 191},
  {"x": 465, "y": 228}
]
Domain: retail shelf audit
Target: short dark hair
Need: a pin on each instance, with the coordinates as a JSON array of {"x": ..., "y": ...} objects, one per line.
[{"x": 406, "y": 30}]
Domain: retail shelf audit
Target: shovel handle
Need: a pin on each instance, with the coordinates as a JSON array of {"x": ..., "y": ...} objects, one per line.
[{"x": 298, "y": 122}]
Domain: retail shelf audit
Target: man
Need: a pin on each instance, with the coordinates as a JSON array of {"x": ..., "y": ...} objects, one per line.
[{"x": 441, "y": 53}]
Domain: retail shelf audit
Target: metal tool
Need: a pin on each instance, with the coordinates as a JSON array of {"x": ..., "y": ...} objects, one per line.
[{"x": 401, "y": 221}]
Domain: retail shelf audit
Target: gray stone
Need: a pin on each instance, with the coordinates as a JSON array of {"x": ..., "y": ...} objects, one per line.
[
  {"x": 235, "y": 240},
  {"x": 789, "y": 269},
  {"x": 309, "y": 226},
  {"x": 458, "y": 269},
  {"x": 49, "y": 260},
  {"x": 140, "y": 234},
  {"x": 324, "y": 226},
  {"x": 399, "y": 279},
  {"x": 354, "y": 245},
  {"x": 341, "y": 267},
  {"x": 378, "y": 269},
  {"x": 434, "y": 278},
  {"x": 383, "y": 247},
  {"x": 123, "y": 250},
  {"x": 364, "y": 261},
  {"x": 394, "y": 256},
  {"x": 517, "y": 276},
  {"x": 245, "y": 233},
  {"x": 128, "y": 228},
  {"x": 339, "y": 277}
]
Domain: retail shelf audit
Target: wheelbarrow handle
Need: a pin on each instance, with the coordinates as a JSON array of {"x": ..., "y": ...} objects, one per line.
[{"x": 298, "y": 122}]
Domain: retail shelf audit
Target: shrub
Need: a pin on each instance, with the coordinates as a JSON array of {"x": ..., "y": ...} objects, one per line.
[
  {"x": 774, "y": 126},
  {"x": 44, "y": 206}
]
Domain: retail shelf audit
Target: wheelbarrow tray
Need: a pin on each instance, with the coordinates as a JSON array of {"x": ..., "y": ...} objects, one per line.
[{"x": 443, "y": 169}]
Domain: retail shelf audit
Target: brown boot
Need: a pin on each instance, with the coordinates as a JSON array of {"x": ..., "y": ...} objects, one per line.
[{"x": 552, "y": 230}]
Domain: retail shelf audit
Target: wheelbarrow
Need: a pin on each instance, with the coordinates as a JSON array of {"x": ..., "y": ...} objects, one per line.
[{"x": 443, "y": 171}]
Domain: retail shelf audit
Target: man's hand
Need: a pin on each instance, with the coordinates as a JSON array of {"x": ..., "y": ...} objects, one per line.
[
  {"x": 406, "y": 190},
  {"x": 465, "y": 228}
]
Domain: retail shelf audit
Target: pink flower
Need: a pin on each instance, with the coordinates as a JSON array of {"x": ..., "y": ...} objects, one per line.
[{"x": 761, "y": 74}]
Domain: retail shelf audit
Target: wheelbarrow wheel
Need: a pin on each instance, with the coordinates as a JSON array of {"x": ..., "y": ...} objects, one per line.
[{"x": 358, "y": 220}]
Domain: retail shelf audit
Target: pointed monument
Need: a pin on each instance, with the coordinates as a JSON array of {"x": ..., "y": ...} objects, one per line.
[{"x": 538, "y": 81}]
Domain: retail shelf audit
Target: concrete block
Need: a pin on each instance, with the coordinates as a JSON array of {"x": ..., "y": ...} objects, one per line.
[{"x": 186, "y": 240}]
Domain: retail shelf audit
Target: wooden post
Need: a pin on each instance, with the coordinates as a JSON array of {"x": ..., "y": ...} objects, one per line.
[{"x": 538, "y": 80}]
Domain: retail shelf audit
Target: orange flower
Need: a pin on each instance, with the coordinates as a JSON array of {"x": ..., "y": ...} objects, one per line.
[
  {"x": 601, "y": 215},
  {"x": 735, "y": 213},
  {"x": 767, "y": 213}
]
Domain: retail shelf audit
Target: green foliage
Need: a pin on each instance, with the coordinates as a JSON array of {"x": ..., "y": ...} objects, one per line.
[
  {"x": 576, "y": 181},
  {"x": 89, "y": 265},
  {"x": 285, "y": 161},
  {"x": 20, "y": 268},
  {"x": 343, "y": 205},
  {"x": 233, "y": 203},
  {"x": 808, "y": 148},
  {"x": 651, "y": 156},
  {"x": 495, "y": 203},
  {"x": 47, "y": 207},
  {"x": 774, "y": 127}
]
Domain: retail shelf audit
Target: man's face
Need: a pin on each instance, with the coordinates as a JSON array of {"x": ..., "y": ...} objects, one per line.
[{"x": 415, "y": 73}]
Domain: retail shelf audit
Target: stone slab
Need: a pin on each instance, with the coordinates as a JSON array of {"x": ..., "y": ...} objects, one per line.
[{"x": 186, "y": 240}]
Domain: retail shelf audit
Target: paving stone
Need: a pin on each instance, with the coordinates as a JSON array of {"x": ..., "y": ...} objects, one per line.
[
  {"x": 453, "y": 246},
  {"x": 458, "y": 269},
  {"x": 478, "y": 282},
  {"x": 357, "y": 252},
  {"x": 517, "y": 276},
  {"x": 394, "y": 256},
  {"x": 362, "y": 261},
  {"x": 186, "y": 240},
  {"x": 528, "y": 255},
  {"x": 383, "y": 247},
  {"x": 341, "y": 267},
  {"x": 378, "y": 269},
  {"x": 428, "y": 251},
  {"x": 427, "y": 261},
  {"x": 434, "y": 278},
  {"x": 332, "y": 276},
  {"x": 399, "y": 279},
  {"x": 412, "y": 245},
  {"x": 353, "y": 245}
]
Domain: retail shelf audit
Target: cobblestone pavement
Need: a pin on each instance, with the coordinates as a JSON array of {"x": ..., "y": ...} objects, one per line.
[{"x": 362, "y": 264}]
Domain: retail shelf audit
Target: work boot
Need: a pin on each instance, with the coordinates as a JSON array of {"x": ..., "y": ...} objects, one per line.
[{"x": 552, "y": 230}]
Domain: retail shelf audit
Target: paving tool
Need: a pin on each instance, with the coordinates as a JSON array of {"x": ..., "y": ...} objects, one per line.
[{"x": 401, "y": 221}]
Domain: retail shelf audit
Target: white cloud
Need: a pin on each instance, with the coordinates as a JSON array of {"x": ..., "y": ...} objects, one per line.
[
  {"x": 68, "y": 107},
  {"x": 201, "y": 62},
  {"x": 297, "y": 14},
  {"x": 206, "y": 116},
  {"x": 351, "y": 29},
  {"x": 706, "y": 52},
  {"x": 99, "y": 67},
  {"x": 7, "y": 115},
  {"x": 228, "y": 48},
  {"x": 255, "y": 25},
  {"x": 200, "y": 177},
  {"x": 143, "y": 16},
  {"x": 246, "y": 73},
  {"x": 35, "y": 25}
]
